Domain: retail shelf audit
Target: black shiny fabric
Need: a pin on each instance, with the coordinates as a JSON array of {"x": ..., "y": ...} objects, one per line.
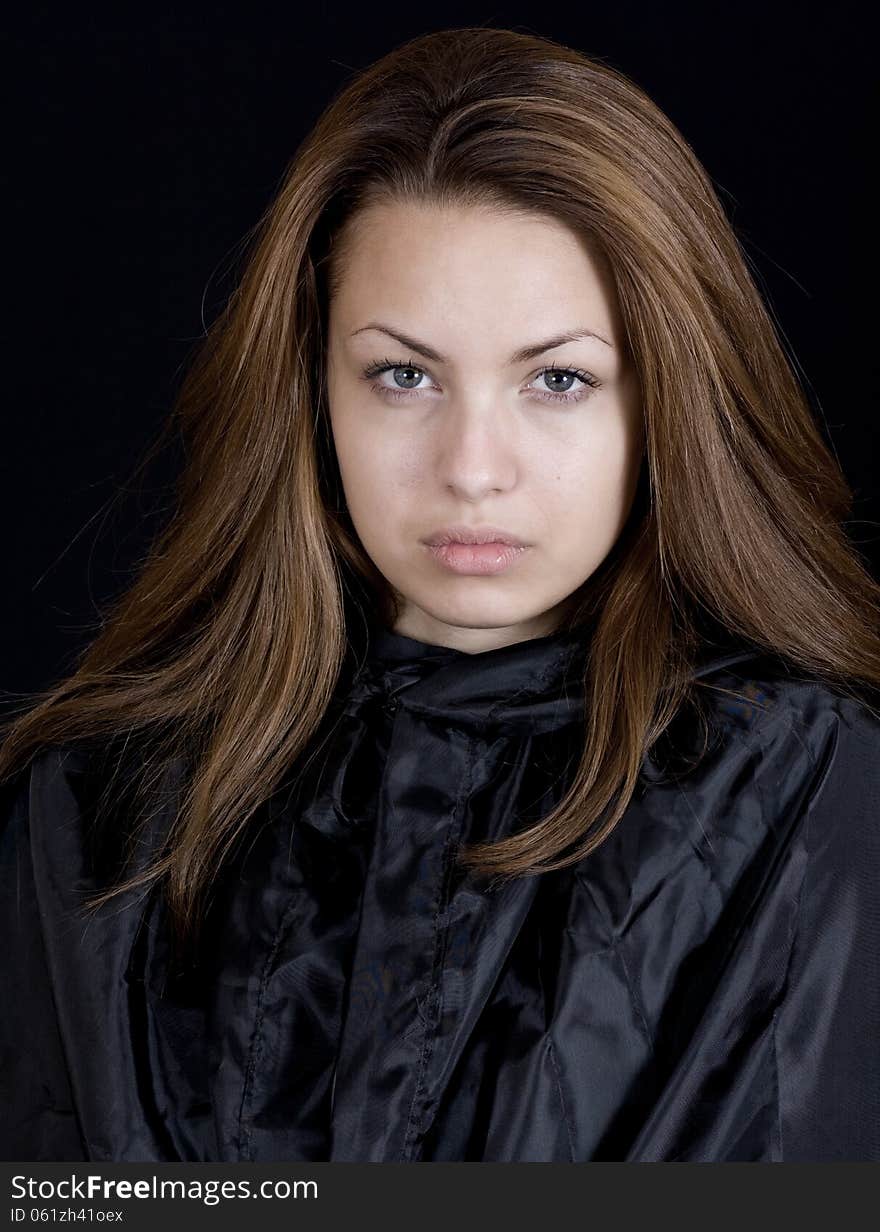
[{"x": 703, "y": 986}]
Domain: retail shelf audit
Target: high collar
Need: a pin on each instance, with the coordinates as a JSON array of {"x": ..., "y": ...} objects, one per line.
[{"x": 536, "y": 683}]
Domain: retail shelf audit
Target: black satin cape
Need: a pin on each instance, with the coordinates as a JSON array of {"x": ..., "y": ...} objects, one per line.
[{"x": 702, "y": 987}]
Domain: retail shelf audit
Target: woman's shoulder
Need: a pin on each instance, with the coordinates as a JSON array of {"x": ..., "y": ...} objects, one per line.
[
  {"x": 47, "y": 776},
  {"x": 761, "y": 734},
  {"x": 805, "y": 748},
  {"x": 73, "y": 804},
  {"x": 759, "y": 695}
]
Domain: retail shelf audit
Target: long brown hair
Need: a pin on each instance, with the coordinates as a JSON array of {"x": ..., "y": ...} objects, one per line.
[{"x": 230, "y": 643}]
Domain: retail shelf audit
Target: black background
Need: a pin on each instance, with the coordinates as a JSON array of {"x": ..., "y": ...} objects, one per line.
[{"x": 143, "y": 146}]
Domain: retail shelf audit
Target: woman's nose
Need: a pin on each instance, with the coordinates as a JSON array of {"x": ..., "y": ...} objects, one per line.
[{"x": 474, "y": 452}]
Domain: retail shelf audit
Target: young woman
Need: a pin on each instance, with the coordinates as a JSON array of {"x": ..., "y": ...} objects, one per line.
[{"x": 484, "y": 764}]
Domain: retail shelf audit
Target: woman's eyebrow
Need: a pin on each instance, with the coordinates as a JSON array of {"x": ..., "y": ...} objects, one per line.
[{"x": 518, "y": 357}]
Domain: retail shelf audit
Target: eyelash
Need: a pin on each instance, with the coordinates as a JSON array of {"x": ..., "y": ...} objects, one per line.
[{"x": 387, "y": 365}]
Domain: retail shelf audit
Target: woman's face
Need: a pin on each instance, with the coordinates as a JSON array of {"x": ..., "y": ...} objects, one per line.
[{"x": 461, "y": 430}]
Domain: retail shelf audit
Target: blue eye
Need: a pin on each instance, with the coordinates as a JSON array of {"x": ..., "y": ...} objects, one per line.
[
  {"x": 577, "y": 374},
  {"x": 414, "y": 373}
]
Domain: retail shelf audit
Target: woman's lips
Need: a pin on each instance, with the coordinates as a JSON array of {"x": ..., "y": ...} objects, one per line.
[{"x": 476, "y": 558}]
